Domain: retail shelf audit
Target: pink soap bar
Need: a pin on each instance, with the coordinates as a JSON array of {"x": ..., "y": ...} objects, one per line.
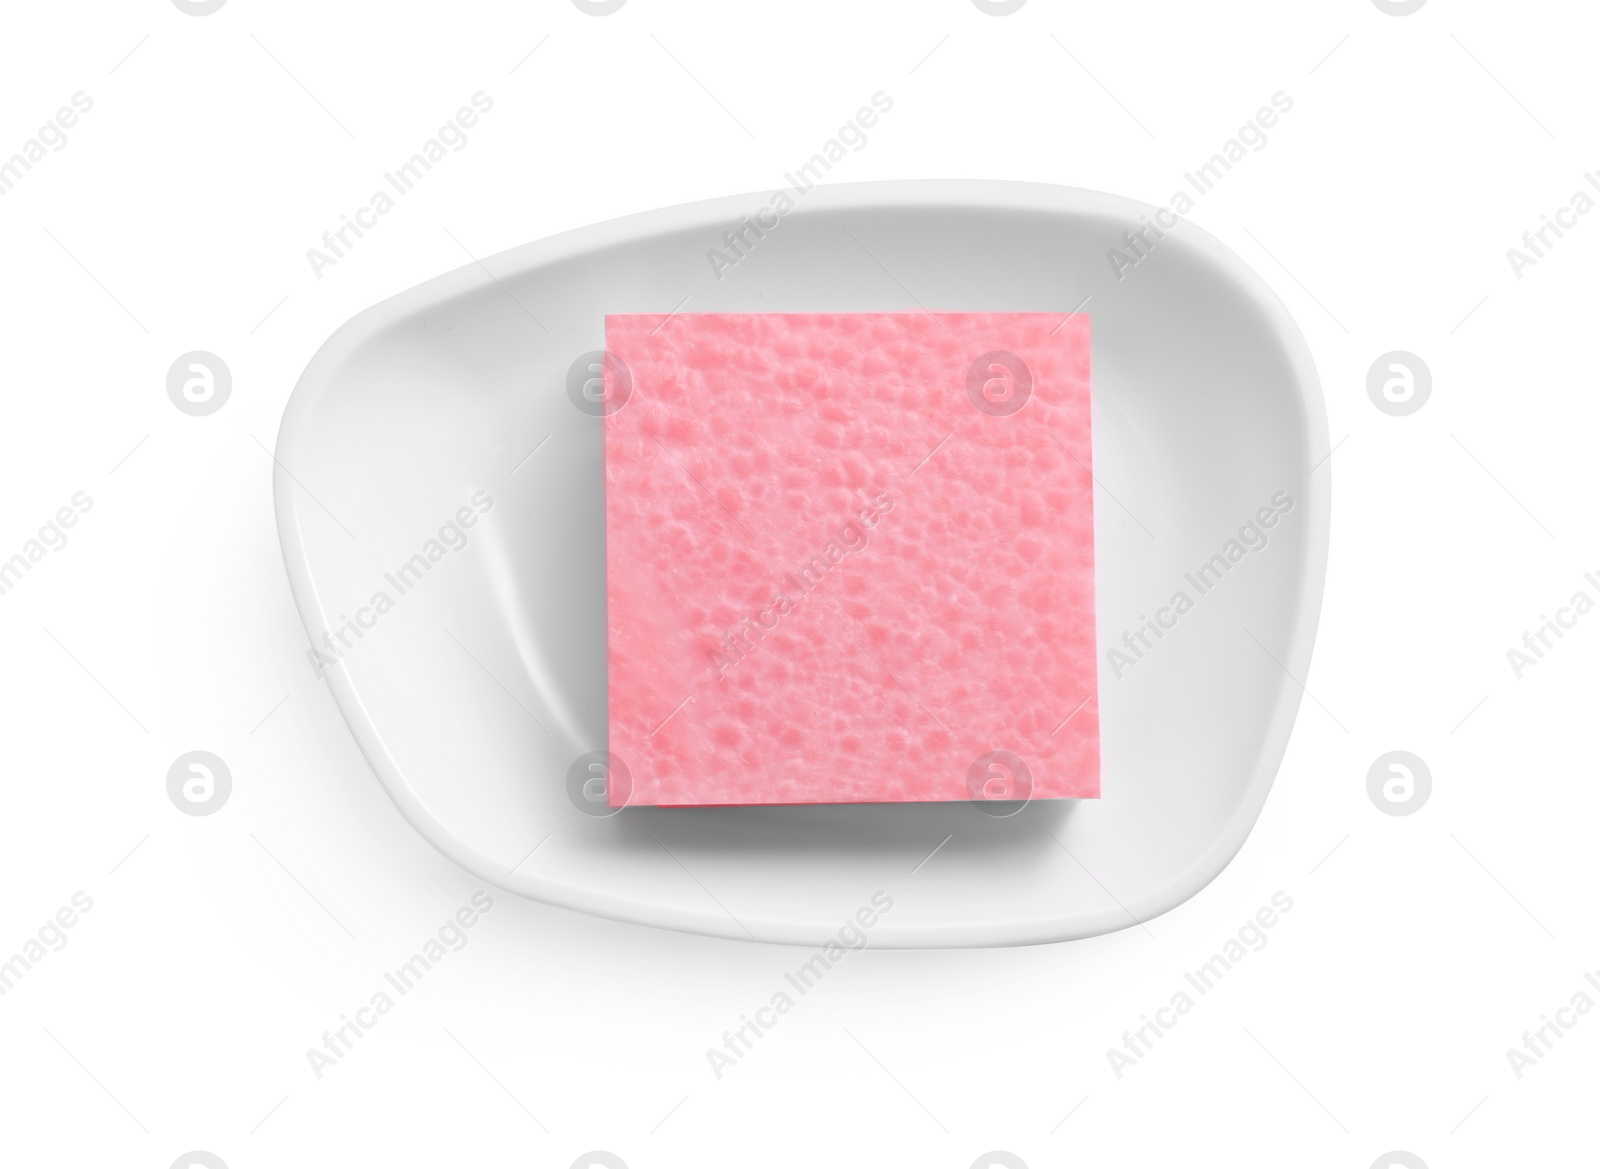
[{"x": 849, "y": 558}]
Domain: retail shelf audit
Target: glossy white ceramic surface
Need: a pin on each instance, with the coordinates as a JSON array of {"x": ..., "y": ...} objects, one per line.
[{"x": 476, "y": 688}]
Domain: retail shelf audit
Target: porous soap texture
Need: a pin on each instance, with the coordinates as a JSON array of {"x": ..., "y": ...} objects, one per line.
[{"x": 849, "y": 558}]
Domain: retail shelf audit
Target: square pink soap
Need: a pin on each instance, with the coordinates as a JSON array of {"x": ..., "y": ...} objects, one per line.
[{"x": 849, "y": 558}]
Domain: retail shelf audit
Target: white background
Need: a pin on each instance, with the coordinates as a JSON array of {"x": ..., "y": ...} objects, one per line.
[{"x": 177, "y": 217}]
